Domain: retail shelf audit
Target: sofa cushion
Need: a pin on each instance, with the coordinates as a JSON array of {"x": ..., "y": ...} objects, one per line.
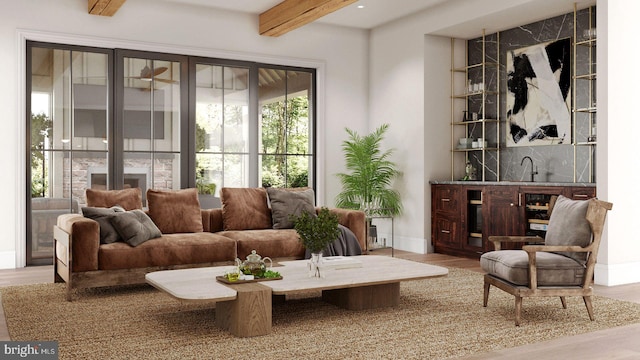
[
  {"x": 286, "y": 203},
  {"x": 245, "y": 209},
  {"x": 568, "y": 225},
  {"x": 168, "y": 250},
  {"x": 282, "y": 243},
  {"x": 129, "y": 199},
  {"x": 135, "y": 227},
  {"x": 108, "y": 233},
  {"x": 175, "y": 211},
  {"x": 513, "y": 266}
]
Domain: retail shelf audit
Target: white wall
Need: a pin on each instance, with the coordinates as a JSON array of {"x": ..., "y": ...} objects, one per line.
[
  {"x": 617, "y": 172},
  {"x": 339, "y": 53}
]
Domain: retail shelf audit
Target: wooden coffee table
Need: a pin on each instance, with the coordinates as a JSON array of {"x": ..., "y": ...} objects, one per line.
[{"x": 245, "y": 309}]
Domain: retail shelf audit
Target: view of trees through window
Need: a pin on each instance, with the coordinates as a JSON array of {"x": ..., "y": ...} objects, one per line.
[{"x": 285, "y": 143}]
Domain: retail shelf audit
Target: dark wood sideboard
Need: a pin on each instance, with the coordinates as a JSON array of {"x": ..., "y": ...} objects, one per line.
[{"x": 463, "y": 216}]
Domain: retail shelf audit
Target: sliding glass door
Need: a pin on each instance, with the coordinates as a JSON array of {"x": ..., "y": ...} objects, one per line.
[
  {"x": 116, "y": 118},
  {"x": 286, "y": 127},
  {"x": 222, "y": 127},
  {"x": 69, "y": 118},
  {"x": 151, "y": 123}
]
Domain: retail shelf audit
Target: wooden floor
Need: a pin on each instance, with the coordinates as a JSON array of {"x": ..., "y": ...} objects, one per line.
[{"x": 616, "y": 343}]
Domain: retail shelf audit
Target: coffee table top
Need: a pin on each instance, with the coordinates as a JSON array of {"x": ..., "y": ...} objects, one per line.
[
  {"x": 195, "y": 284},
  {"x": 375, "y": 270},
  {"x": 199, "y": 284}
]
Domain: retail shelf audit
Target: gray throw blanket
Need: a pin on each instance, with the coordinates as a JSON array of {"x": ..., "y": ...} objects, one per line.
[{"x": 346, "y": 245}]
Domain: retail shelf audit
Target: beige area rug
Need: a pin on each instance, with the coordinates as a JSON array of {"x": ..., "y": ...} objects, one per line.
[{"x": 436, "y": 319}]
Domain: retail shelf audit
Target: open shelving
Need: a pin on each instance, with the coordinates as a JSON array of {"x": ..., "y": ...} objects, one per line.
[
  {"x": 475, "y": 110},
  {"x": 584, "y": 109}
]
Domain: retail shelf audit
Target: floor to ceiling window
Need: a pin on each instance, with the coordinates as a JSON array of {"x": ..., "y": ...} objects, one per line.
[
  {"x": 114, "y": 118},
  {"x": 67, "y": 127},
  {"x": 151, "y": 121},
  {"x": 223, "y": 126},
  {"x": 286, "y": 132}
]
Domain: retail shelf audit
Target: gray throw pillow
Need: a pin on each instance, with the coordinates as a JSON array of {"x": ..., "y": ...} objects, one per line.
[
  {"x": 286, "y": 203},
  {"x": 108, "y": 233},
  {"x": 568, "y": 225},
  {"x": 135, "y": 227}
]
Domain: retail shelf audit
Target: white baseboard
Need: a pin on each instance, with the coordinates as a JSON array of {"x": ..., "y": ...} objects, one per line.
[
  {"x": 415, "y": 245},
  {"x": 7, "y": 259},
  {"x": 617, "y": 274}
]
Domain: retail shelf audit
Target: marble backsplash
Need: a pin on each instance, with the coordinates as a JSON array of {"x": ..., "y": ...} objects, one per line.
[{"x": 554, "y": 163}]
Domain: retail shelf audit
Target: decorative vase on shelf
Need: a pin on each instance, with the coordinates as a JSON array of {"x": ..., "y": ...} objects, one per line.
[{"x": 315, "y": 265}]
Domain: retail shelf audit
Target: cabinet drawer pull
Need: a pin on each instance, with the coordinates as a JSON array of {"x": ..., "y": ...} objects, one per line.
[
  {"x": 445, "y": 231},
  {"x": 445, "y": 199}
]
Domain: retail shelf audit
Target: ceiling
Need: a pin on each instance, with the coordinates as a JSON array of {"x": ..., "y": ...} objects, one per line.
[
  {"x": 374, "y": 13},
  {"x": 378, "y": 12}
]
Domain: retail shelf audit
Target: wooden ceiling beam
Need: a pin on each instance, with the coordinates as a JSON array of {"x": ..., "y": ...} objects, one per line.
[
  {"x": 104, "y": 7},
  {"x": 292, "y": 14}
]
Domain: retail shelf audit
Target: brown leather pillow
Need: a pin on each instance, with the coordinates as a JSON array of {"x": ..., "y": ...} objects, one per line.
[
  {"x": 175, "y": 211},
  {"x": 129, "y": 199},
  {"x": 245, "y": 209}
]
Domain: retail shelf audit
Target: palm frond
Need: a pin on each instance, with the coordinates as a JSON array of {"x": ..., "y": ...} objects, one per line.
[{"x": 367, "y": 186}]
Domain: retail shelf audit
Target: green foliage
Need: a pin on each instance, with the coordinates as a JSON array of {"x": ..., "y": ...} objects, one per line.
[
  {"x": 202, "y": 186},
  {"x": 316, "y": 232},
  {"x": 40, "y": 125},
  {"x": 285, "y": 141},
  {"x": 367, "y": 186}
]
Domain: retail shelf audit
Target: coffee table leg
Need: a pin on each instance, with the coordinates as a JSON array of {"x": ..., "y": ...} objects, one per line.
[
  {"x": 249, "y": 314},
  {"x": 364, "y": 297}
]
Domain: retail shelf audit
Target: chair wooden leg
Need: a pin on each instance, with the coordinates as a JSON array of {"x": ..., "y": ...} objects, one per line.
[
  {"x": 564, "y": 302},
  {"x": 486, "y": 294},
  {"x": 518, "y": 309},
  {"x": 587, "y": 303}
]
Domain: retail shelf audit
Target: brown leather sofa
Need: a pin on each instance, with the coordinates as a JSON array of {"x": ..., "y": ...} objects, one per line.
[{"x": 82, "y": 261}]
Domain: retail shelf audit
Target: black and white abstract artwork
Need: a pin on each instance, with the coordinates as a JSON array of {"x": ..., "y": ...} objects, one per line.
[{"x": 538, "y": 94}]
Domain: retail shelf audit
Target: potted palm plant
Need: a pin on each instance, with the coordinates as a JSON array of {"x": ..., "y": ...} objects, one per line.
[{"x": 367, "y": 186}]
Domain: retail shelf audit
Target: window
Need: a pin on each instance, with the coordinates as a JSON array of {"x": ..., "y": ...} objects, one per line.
[
  {"x": 112, "y": 119},
  {"x": 286, "y": 149},
  {"x": 62, "y": 156}
]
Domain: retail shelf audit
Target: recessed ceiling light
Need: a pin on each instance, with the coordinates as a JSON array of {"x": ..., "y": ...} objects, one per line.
[{"x": 360, "y": 6}]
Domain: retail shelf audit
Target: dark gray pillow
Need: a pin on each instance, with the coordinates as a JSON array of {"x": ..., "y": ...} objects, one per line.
[
  {"x": 135, "y": 227},
  {"x": 108, "y": 233},
  {"x": 568, "y": 225},
  {"x": 288, "y": 202}
]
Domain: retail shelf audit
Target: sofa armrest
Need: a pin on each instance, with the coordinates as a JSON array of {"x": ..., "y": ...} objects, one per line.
[
  {"x": 81, "y": 243},
  {"x": 355, "y": 220}
]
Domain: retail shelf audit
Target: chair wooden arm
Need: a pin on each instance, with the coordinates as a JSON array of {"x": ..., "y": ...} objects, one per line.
[
  {"x": 554, "y": 248},
  {"x": 531, "y": 253},
  {"x": 498, "y": 240}
]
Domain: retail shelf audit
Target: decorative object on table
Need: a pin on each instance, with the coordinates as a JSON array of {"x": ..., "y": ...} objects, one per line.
[
  {"x": 234, "y": 276},
  {"x": 470, "y": 172},
  {"x": 538, "y": 88},
  {"x": 315, "y": 233},
  {"x": 254, "y": 265}
]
